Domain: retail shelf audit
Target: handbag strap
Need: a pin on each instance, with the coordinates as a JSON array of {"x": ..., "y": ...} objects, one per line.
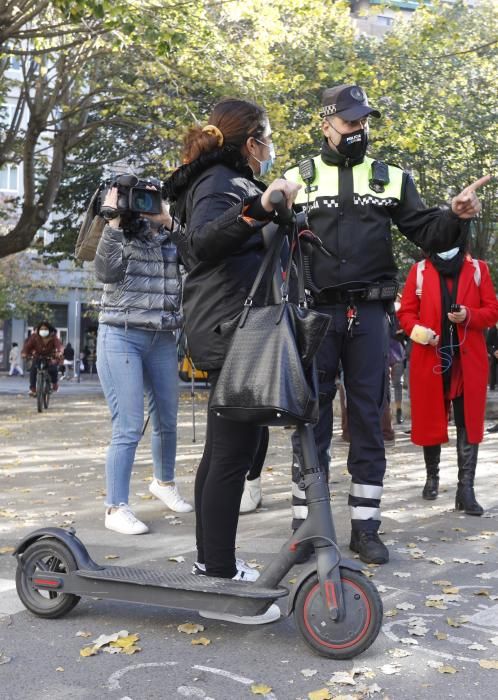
[{"x": 271, "y": 255}]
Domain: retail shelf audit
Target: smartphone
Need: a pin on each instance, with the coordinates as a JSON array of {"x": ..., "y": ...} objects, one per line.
[{"x": 455, "y": 308}]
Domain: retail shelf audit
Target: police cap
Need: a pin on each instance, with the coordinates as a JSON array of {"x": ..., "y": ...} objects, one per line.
[{"x": 348, "y": 101}]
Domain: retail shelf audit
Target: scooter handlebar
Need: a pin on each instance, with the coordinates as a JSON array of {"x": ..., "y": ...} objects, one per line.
[{"x": 277, "y": 200}]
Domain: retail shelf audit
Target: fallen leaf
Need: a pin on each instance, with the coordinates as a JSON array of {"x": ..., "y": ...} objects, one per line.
[
  {"x": 88, "y": 651},
  {"x": 81, "y": 633},
  {"x": 489, "y": 663},
  {"x": 7, "y": 550},
  {"x": 4, "y": 659},
  {"x": 293, "y": 580},
  {"x": 322, "y": 694},
  {"x": 477, "y": 647},
  {"x": 190, "y": 628},
  {"x": 451, "y": 589},
  {"x": 131, "y": 650},
  {"x": 446, "y": 669},
  {"x": 408, "y": 641},
  {"x": 482, "y": 592},
  {"x": 437, "y": 560},
  {"x": 204, "y": 641},
  {"x": 405, "y": 606},
  {"x": 308, "y": 672},
  {"x": 104, "y": 639},
  {"x": 441, "y": 635},
  {"x": 401, "y": 574},
  {"x": 111, "y": 556},
  {"x": 260, "y": 689},
  {"x": 399, "y": 653},
  {"x": 124, "y": 642},
  {"x": 146, "y": 497},
  {"x": 391, "y": 613},
  {"x": 455, "y": 623},
  {"x": 342, "y": 678},
  {"x": 494, "y": 640},
  {"x": 178, "y": 560},
  {"x": 390, "y": 669}
]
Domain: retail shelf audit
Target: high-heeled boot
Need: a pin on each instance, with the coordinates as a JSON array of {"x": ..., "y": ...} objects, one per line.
[
  {"x": 432, "y": 457},
  {"x": 467, "y": 462}
]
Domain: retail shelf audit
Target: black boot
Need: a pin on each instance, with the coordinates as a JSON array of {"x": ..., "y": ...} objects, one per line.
[
  {"x": 432, "y": 456},
  {"x": 399, "y": 416},
  {"x": 369, "y": 546},
  {"x": 467, "y": 462}
]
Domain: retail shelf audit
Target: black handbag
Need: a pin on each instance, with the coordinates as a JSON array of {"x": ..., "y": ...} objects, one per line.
[{"x": 269, "y": 375}]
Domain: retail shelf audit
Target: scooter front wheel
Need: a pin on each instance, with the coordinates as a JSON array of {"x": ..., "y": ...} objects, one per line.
[
  {"x": 42, "y": 557},
  {"x": 354, "y": 632}
]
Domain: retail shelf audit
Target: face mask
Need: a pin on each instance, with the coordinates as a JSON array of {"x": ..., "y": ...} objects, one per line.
[
  {"x": 448, "y": 254},
  {"x": 353, "y": 145},
  {"x": 44, "y": 333},
  {"x": 266, "y": 165}
]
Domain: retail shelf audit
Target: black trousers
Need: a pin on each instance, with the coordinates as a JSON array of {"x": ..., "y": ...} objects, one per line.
[
  {"x": 364, "y": 361},
  {"x": 493, "y": 366},
  {"x": 229, "y": 454},
  {"x": 52, "y": 373}
]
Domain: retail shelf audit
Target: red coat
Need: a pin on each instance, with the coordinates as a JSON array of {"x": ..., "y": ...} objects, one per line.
[{"x": 428, "y": 406}]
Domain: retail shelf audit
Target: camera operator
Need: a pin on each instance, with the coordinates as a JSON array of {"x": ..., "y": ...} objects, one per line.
[
  {"x": 351, "y": 202},
  {"x": 136, "y": 351}
]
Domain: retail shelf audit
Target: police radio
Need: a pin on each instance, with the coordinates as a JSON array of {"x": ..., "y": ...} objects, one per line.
[{"x": 306, "y": 168}]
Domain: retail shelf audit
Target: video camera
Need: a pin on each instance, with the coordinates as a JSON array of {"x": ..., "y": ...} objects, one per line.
[{"x": 135, "y": 198}]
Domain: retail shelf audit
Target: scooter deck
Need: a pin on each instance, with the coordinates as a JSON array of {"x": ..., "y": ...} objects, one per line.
[{"x": 184, "y": 582}]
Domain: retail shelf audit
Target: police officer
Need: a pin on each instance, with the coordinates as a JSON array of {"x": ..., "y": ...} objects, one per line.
[{"x": 351, "y": 200}]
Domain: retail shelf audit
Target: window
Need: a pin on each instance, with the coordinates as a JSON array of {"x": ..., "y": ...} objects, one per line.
[
  {"x": 386, "y": 21},
  {"x": 9, "y": 178}
]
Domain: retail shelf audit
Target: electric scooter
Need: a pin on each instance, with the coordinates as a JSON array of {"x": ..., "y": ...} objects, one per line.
[{"x": 337, "y": 610}]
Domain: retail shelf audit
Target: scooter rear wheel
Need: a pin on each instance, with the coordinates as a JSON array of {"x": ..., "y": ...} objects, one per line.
[
  {"x": 355, "y": 632},
  {"x": 45, "y": 556}
]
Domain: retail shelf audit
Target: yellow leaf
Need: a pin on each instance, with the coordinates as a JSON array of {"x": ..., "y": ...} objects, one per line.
[
  {"x": 322, "y": 694},
  {"x": 482, "y": 592},
  {"x": 88, "y": 651},
  {"x": 112, "y": 556},
  {"x": 446, "y": 669},
  {"x": 489, "y": 663},
  {"x": 450, "y": 589},
  {"x": 391, "y": 613},
  {"x": 146, "y": 497},
  {"x": 260, "y": 689},
  {"x": 441, "y": 635},
  {"x": 131, "y": 649},
  {"x": 190, "y": 628},
  {"x": 6, "y": 550},
  {"x": 453, "y": 623},
  {"x": 201, "y": 640},
  {"x": 125, "y": 642}
]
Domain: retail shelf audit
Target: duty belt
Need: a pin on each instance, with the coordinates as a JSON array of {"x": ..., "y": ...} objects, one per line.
[{"x": 383, "y": 291}]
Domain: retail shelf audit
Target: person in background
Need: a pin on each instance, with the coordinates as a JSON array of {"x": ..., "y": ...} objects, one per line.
[
  {"x": 68, "y": 361},
  {"x": 136, "y": 353},
  {"x": 397, "y": 364},
  {"x": 43, "y": 343},
  {"x": 447, "y": 302},
  {"x": 15, "y": 361},
  {"x": 492, "y": 345}
]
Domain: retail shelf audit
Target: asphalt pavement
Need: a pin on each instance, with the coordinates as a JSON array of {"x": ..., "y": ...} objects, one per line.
[{"x": 440, "y": 588}]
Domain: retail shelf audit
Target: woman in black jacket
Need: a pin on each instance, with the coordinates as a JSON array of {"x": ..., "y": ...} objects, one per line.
[{"x": 223, "y": 209}]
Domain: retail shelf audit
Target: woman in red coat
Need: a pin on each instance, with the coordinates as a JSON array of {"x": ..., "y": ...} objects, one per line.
[{"x": 448, "y": 361}]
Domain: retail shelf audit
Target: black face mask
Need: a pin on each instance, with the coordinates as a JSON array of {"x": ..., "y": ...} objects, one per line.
[{"x": 353, "y": 145}]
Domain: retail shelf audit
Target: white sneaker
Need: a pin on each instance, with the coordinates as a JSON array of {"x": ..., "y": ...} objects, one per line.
[
  {"x": 252, "y": 497},
  {"x": 170, "y": 497},
  {"x": 124, "y": 521},
  {"x": 271, "y": 615},
  {"x": 244, "y": 571}
]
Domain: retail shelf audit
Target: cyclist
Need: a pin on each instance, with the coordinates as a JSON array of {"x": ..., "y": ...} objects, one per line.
[{"x": 43, "y": 343}]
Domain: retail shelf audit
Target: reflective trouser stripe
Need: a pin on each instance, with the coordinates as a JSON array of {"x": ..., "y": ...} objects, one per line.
[
  {"x": 364, "y": 513},
  {"x": 366, "y": 491},
  {"x": 299, "y": 512},
  {"x": 297, "y": 492}
]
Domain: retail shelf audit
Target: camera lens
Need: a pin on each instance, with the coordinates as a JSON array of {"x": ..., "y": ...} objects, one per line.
[{"x": 142, "y": 201}]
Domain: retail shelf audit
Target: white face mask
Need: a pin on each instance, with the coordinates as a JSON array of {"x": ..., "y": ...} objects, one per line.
[
  {"x": 448, "y": 254},
  {"x": 44, "y": 333}
]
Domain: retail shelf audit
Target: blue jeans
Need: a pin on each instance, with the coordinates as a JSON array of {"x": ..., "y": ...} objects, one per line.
[{"x": 130, "y": 363}]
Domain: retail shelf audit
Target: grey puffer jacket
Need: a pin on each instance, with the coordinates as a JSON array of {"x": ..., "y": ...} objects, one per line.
[{"x": 143, "y": 285}]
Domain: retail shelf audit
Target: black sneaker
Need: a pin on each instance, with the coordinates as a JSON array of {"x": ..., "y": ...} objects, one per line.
[{"x": 369, "y": 546}]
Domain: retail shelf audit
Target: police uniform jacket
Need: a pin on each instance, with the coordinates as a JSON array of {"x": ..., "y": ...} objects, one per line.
[{"x": 354, "y": 221}]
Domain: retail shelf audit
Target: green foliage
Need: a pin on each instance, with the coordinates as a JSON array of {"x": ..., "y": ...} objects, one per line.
[{"x": 147, "y": 70}]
